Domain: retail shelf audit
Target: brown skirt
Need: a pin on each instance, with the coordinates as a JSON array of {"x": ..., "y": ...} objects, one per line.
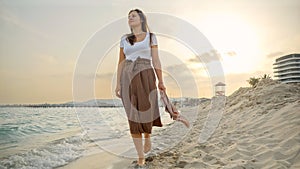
[{"x": 139, "y": 95}]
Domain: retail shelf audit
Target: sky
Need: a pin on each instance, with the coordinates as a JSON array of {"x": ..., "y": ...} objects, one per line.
[{"x": 41, "y": 43}]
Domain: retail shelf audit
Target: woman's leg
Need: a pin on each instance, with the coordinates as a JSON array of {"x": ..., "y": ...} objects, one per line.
[
  {"x": 138, "y": 142},
  {"x": 147, "y": 145}
]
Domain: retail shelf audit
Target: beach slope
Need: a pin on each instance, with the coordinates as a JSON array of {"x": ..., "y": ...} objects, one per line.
[{"x": 259, "y": 128}]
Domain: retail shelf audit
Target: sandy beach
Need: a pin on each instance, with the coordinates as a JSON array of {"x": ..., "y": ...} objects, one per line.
[
  {"x": 97, "y": 161},
  {"x": 259, "y": 128}
]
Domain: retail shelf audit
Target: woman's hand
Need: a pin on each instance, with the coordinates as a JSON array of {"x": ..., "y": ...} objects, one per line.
[
  {"x": 161, "y": 86},
  {"x": 118, "y": 91}
]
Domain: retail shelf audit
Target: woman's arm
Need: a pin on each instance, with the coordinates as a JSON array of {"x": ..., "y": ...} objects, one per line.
[
  {"x": 157, "y": 66},
  {"x": 119, "y": 70}
]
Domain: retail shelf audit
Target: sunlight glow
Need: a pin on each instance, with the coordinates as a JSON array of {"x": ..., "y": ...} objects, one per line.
[{"x": 235, "y": 40}]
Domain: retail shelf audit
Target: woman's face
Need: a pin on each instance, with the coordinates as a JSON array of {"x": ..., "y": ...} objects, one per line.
[{"x": 134, "y": 19}]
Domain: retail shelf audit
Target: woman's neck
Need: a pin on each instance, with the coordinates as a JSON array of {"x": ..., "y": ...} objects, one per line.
[{"x": 137, "y": 30}]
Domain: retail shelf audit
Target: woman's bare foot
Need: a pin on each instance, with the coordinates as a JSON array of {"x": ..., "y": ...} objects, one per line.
[
  {"x": 147, "y": 145},
  {"x": 138, "y": 142},
  {"x": 141, "y": 161}
]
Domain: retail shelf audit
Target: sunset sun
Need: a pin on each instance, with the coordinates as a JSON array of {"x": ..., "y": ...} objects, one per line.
[{"x": 234, "y": 39}]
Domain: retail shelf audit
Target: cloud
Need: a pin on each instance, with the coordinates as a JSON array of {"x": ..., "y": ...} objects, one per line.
[
  {"x": 7, "y": 16},
  {"x": 231, "y": 53},
  {"x": 48, "y": 59},
  {"x": 180, "y": 73},
  {"x": 105, "y": 76},
  {"x": 274, "y": 54},
  {"x": 179, "y": 70},
  {"x": 212, "y": 55},
  {"x": 98, "y": 76},
  {"x": 194, "y": 60},
  {"x": 61, "y": 75}
]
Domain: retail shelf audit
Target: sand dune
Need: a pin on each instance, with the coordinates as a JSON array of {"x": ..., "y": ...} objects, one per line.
[{"x": 260, "y": 128}]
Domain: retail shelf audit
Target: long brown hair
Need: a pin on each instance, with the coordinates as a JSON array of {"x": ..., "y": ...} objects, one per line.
[{"x": 131, "y": 37}]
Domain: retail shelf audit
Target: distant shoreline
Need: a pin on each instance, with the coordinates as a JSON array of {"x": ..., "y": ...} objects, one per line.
[
  {"x": 106, "y": 103},
  {"x": 54, "y": 106}
]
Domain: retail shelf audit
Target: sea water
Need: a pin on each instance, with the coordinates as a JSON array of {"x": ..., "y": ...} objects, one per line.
[{"x": 51, "y": 137}]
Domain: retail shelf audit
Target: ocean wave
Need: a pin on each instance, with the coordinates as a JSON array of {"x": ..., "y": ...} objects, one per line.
[{"x": 54, "y": 154}]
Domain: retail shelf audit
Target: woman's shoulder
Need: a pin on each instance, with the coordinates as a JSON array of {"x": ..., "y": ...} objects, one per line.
[
  {"x": 129, "y": 34},
  {"x": 124, "y": 36},
  {"x": 152, "y": 33}
]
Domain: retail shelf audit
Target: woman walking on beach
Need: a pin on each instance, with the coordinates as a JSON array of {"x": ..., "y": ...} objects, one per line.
[{"x": 136, "y": 81}]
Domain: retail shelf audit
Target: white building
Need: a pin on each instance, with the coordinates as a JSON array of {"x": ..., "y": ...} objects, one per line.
[
  {"x": 220, "y": 89},
  {"x": 287, "y": 68}
]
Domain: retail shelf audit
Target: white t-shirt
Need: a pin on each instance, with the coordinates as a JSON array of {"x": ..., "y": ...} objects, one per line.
[{"x": 138, "y": 49}]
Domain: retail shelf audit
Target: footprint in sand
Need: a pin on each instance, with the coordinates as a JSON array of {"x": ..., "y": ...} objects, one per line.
[{"x": 213, "y": 118}]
